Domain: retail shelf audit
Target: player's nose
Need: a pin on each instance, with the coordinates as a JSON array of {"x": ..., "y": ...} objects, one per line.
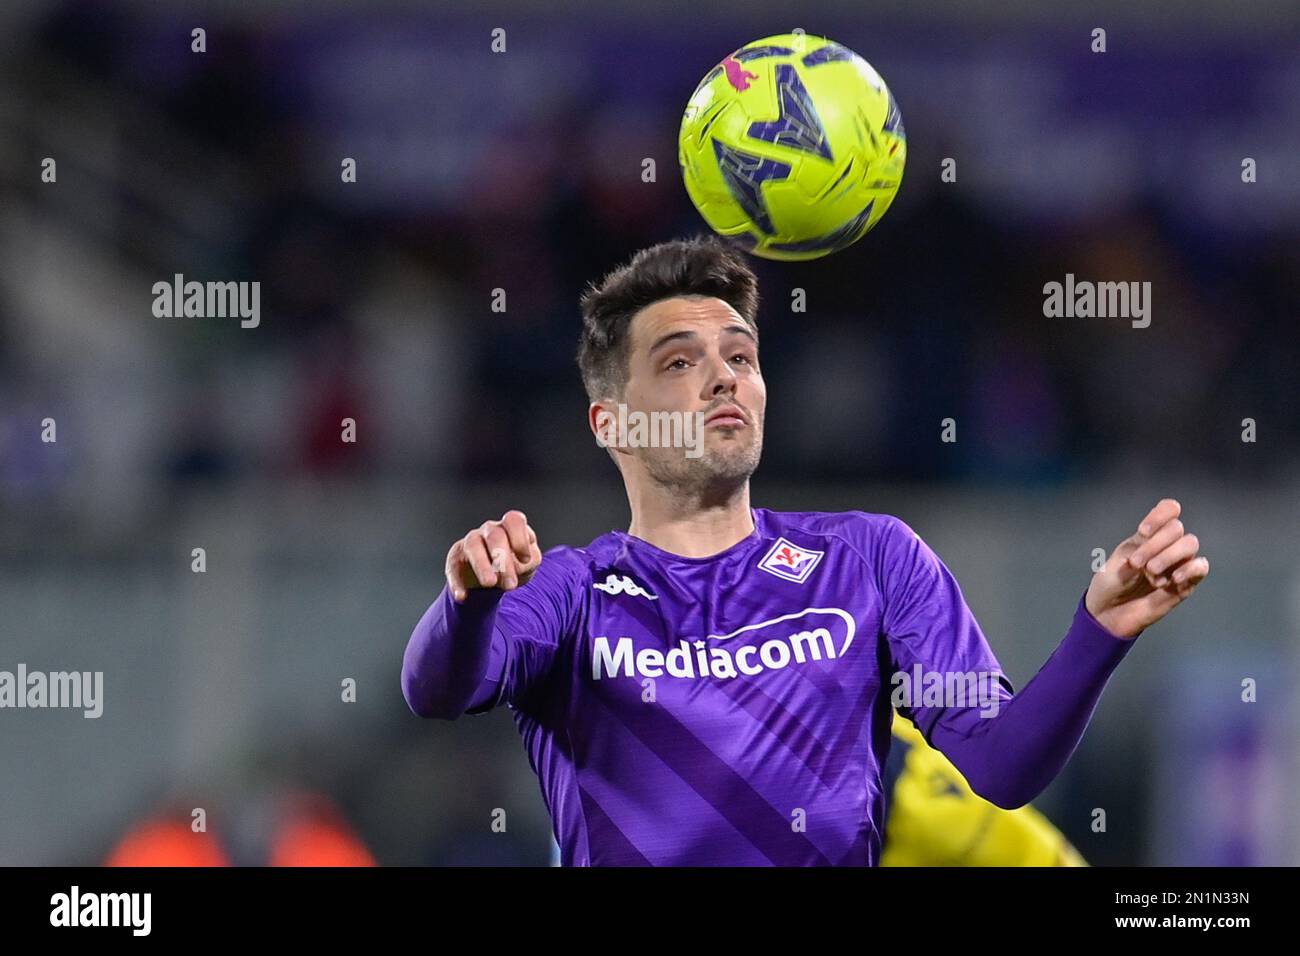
[{"x": 722, "y": 378}]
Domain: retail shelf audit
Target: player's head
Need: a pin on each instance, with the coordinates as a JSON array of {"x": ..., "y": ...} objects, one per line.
[{"x": 675, "y": 330}]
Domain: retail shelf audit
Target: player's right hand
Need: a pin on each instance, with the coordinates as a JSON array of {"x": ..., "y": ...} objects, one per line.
[{"x": 497, "y": 554}]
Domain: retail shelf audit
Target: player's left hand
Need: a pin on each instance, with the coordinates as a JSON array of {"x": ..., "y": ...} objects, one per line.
[{"x": 1148, "y": 574}]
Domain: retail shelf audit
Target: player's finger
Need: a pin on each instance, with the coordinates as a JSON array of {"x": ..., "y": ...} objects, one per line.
[
  {"x": 476, "y": 556},
  {"x": 1181, "y": 583},
  {"x": 1165, "y": 510},
  {"x": 455, "y": 571},
  {"x": 516, "y": 527},
  {"x": 1191, "y": 573},
  {"x": 1170, "y": 532},
  {"x": 534, "y": 560},
  {"x": 1159, "y": 603},
  {"x": 485, "y": 529},
  {"x": 503, "y": 559},
  {"x": 1163, "y": 561},
  {"x": 1124, "y": 550}
]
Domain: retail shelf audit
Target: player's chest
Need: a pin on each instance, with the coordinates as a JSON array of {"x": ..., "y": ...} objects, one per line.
[{"x": 691, "y": 640}]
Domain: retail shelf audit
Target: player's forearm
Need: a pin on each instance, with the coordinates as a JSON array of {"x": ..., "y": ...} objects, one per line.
[
  {"x": 1011, "y": 757},
  {"x": 448, "y": 655}
]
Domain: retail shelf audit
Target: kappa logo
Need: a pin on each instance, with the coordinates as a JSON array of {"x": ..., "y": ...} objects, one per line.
[
  {"x": 622, "y": 584},
  {"x": 790, "y": 562}
]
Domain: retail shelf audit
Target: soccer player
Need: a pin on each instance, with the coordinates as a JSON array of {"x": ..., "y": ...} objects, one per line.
[{"x": 713, "y": 685}]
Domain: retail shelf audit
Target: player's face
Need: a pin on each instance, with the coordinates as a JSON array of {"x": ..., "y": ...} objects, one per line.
[{"x": 696, "y": 355}]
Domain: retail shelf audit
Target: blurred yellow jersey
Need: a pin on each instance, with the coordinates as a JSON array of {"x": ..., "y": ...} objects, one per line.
[{"x": 935, "y": 819}]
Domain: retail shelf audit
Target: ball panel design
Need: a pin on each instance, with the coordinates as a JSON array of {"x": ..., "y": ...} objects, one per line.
[{"x": 793, "y": 146}]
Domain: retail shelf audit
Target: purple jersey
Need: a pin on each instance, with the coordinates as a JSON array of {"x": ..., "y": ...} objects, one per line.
[{"x": 735, "y": 709}]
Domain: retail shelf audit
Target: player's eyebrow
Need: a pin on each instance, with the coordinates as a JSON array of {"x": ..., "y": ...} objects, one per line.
[
  {"x": 688, "y": 334},
  {"x": 673, "y": 337},
  {"x": 741, "y": 330}
]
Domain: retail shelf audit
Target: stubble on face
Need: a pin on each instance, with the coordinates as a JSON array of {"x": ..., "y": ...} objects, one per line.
[{"x": 728, "y": 458}]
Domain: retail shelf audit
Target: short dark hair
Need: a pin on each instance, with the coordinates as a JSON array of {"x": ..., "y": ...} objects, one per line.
[{"x": 703, "y": 265}]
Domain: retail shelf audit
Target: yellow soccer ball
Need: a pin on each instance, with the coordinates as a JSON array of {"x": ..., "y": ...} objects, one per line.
[{"x": 792, "y": 147}]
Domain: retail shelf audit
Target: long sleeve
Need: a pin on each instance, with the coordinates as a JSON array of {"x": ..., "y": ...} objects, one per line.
[
  {"x": 1009, "y": 746},
  {"x": 1011, "y": 757},
  {"x": 451, "y": 653},
  {"x": 497, "y": 647}
]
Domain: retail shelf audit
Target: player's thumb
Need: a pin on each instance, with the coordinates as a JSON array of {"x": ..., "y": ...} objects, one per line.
[{"x": 1121, "y": 565}]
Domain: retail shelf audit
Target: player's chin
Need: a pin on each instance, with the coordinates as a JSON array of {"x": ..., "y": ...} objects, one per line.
[
  {"x": 730, "y": 446},
  {"x": 734, "y": 454}
]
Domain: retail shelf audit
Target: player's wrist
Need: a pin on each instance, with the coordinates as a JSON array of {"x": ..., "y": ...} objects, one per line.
[
  {"x": 1096, "y": 625},
  {"x": 472, "y": 598}
]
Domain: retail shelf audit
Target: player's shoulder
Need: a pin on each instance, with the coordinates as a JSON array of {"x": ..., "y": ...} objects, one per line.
[
  {"x": 561, "y": 578},
  {"x": 566, "y": 560},
  {"x": 578, "y": 562}
]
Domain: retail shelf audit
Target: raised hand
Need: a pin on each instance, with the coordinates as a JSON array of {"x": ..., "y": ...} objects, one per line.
[
  {"x": 1148, "y": 574},
  {"x": 497, "y": 554}
]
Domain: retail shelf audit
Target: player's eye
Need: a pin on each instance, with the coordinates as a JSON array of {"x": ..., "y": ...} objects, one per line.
[
  {"x": 743, "y": 357},
  {"x": 678, "y": 363}
]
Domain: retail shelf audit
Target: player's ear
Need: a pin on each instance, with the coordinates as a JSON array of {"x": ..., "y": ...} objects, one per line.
[
  {"x": 607, "y": 419},
  {"x": 602, "y": 419}
]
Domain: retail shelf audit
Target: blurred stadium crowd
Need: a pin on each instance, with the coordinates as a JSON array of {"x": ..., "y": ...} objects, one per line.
[{"x": 522, "y": 171}]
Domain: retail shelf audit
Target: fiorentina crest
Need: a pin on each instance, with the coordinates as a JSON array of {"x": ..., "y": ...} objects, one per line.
[{"x": 792, "y": 563}]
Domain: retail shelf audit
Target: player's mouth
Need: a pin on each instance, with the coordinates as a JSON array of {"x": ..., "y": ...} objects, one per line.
[{"x": 728, "y": 416}]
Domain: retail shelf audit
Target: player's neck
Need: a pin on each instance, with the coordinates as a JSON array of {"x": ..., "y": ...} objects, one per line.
[{"x": 692, "y": 529}]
